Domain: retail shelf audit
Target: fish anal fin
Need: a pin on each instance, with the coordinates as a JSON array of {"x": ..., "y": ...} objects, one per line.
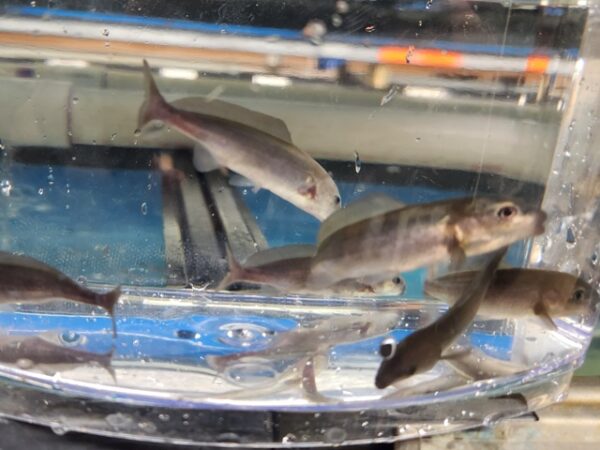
[{"x": 540, "y": 311}]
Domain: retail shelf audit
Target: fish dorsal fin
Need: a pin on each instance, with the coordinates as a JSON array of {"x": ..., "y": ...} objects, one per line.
[
  {"x": 369, "y": 206},
  {"x": 275, "y": 254},
  {"x": 229, "y": 111},
  {"x": 27, "y": 262}
]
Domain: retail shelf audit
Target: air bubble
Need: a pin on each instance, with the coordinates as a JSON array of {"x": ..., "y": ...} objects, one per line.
[
  {"x": 33, "y": 4},
  {"x": 163, "y": 417},
  {"x": 428, "y": 4},
  {"x": 57, "y": 428},
  {"x": 105, "y": 32},
  {"x": 289, "y": 438},
  {"x": 75, "y": 100},
  {"x": 144, "y": 208},
  {"x": 5, "y": 187},
  {"x": 357, "y": 162}
]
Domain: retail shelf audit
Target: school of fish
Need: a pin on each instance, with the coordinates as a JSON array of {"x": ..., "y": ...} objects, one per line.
[{"x": 361, "y": 250}]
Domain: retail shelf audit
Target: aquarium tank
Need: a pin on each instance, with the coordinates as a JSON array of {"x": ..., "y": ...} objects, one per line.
[{"x": 295, "y": 223}]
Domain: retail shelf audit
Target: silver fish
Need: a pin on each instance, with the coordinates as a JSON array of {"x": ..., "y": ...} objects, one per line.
[
  {"x": 516, "y": 293},
  {"x": 421, "y": 350},
  {"x": 286, "y": 269},
  {"x": 268, "y": 161},
  {"x": 24, "y": 279},
  {"x": 37, "y": 352},
  {"x": 303, "y": 342},
  {"x": 410, "y": 237}
]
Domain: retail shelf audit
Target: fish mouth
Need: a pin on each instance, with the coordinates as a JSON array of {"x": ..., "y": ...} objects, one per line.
[{"x": 380, "y": 381}]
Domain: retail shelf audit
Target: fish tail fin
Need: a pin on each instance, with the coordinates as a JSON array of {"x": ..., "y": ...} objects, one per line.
[
  {"x": 236, "y": 271},
  {"x": 155, "y": 107},
  {"x": 108, "y": 301},
  {"x": 105, "y": 361}
]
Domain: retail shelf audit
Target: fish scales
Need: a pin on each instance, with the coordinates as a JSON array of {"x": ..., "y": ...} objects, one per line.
[{"x": 392, "y": 242}]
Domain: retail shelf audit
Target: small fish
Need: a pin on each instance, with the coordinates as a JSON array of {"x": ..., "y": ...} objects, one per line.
[
  {"x": 37, "y": 352},
  {"x": 421, "y": 350},
  {"x": 516, "y": 293},
  {"x": 286, "y": 269},
  {"x": 475, "y": 364},
  {"x": 24, "y": 279},
  {"x": 268, "y": 161},
  {"x": 311, "y": 341},
  {"x": 409, "y": 237}
]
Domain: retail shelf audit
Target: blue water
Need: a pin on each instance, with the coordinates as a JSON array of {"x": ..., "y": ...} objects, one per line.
[{"x": 100, "y": 224}]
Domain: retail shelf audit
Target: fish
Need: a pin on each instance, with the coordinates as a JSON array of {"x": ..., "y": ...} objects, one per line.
[
  {"x": 24, "y": 279},
  {"x": 476, "y": 365},
  {"x": 302, "y": 342},
  {"x": 286, "y": 269},
  {"x": 409, "y": 237},
  {"x": 29, "y": 352},
  {"x": 421, "y": 350},
  {"x": 516, "y": 293},
  {"x": 268, "y": 161}
]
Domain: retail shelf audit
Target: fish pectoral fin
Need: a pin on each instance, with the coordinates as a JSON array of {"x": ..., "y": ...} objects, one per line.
[
  {"x": 308, "y": 188},
  {"x": 457, "y": 257},
  {"x": 540, "y": 311},
  {"x": 203, "y": 160},
  {"x": 455, "y": 248}
]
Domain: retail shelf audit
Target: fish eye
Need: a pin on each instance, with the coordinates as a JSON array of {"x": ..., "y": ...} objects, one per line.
[
  {"x": 387, "y": 348},
  {"x": 397, "y": 280},
  {"x": 579, "y": 295},
  {"x": 337, "y": 200},
  {"x": 506, "y": 212}
]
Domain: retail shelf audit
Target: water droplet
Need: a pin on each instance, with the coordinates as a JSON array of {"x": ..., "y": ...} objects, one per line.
[
  {"x": 41, "y": 191},
  {"x": 105, "y": 32},
  {"x": 75, "y": 100},
  {"x": 120, "y": 421},
  {"x": 137, "y": 132},
  {"x": 357, "y": 162},
  {"x": 447, "y": 421},
  {"x": 370, "y": 28},
  {"x": 113, "y": 136},
  {"x": 571, "y": 239},
  {"x": 147, "y": 426},
  {"x": 572, "y": 125},
  {"x": 390, "y": 95},
  {"x": 418, "y": 139},
  {"x": 144, "y": 208},
  {"x": 228, "y": 437},
  {"x": 420, "y": 23},
  {"x": 32, "y": 4},
  {"x": 81, "y": 279},
  {"x": 428, "y": 4},
  {"x": 289, "y": 438},
  {"x": 336, "y": 20},
  {"x": 594, "y": 259},
  {"x": 335, "y": 435},
  {"x": 6, "y": 187},
  {"x": 136, "y": 343},
  {"x": 163, "y": 417},
  {"x": 342, "y": 6},
  {"x": 57, "y": 428}
]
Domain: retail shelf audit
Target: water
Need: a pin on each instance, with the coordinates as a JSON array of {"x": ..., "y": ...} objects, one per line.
[{"x": 433, "y": 102}]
